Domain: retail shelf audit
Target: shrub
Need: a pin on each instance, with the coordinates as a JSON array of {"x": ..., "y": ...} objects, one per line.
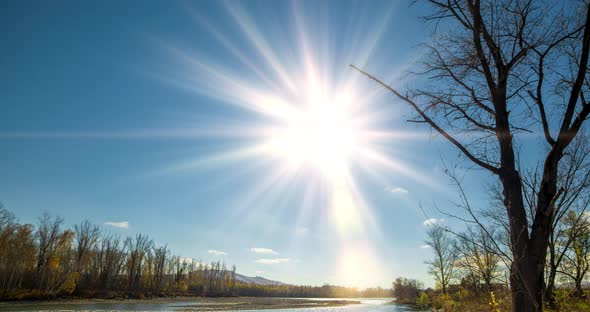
[
  {"x": 493, "y": 303},
  {"x": 423, "y": 300},
  {"x": 444, "y": 302},
  {"x": 406, "y": 290}
]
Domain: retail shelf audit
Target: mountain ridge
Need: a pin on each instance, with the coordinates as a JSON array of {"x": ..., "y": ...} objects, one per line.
[{"x": 258, "y": 280}]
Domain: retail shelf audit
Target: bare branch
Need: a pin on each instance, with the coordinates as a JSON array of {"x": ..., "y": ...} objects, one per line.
[{"x": 427, "y": 119}]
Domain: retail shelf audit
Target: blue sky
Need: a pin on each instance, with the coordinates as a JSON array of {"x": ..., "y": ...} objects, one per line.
[{"x": 144, "y": 112}]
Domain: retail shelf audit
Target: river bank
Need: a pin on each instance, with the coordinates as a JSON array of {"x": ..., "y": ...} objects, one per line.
[{"x": 178, "y": 304}]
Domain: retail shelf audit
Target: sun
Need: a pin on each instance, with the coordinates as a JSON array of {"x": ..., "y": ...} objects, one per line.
[
  {"x": 322, "y": 134},
  {"x": 312, "y": 134}
]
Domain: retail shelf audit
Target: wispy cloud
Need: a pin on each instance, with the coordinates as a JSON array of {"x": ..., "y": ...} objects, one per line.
[
  {"x": 425, "y": 246},
  {"x": 432, "y": 221},
  {"x": 260, "y": 250},
  {"x": 399, "y": 190},
  {"x": 301, "y": 231},
  {"x": 191, "y": 261},
  {"x": 273, "y": 261},
  {"x": 120, "y": 225},
  {"x": 217, "y": 252}
]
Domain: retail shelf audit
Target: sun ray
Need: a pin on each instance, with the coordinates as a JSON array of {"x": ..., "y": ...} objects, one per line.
[
  {"x": 226, "y": 43},
  {"x": 250, "y": 30},
  {"x": 314, "y": 125}
]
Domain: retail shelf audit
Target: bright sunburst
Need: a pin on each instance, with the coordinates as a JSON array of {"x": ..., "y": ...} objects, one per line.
[
  {"x": 308, "y": 119},
  {"x": 322, "y": 133}
]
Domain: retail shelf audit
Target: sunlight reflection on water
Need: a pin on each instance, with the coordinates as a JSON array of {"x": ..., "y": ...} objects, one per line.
[{"x": 367, "y": 305}]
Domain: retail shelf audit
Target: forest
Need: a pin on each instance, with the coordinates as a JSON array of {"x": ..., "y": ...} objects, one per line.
[{"x": 48, "y": 260}]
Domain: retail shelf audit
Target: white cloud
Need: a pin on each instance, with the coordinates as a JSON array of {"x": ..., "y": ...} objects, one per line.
[
  {"x": 425, "y": 246},
  {"x": 217, "y": 252},
  {"x": 301, "y": 231},
  {"x": 260, "y": 272},
  {"x": 399, "y": 190},
  {"x": 273, "y": 261},
  {"x": 260, "y": 250},
  {"x": 191, "y": 261},
  {"x": 432, "y": 221},
  {"x": 120, "y": 225}
]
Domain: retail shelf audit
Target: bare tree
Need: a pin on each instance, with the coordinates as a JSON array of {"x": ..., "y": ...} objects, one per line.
[
  {"x": 574, "y": 180},
  {"x": 18, "y": 252},
  {"x": 406, "y": 290},
  {"x": 138, "y": 249},
  {"x": 53, "y": 261},
  {"x": 48, "y": 233},
  {"x": 442, "y": 267},
  {"x": 576, "y": 262},
  {"x": 476, "y": 254},
  {"x": 498, "y": 71},
  {"x": 233, "y": 280},
  {"x": 86, "y": 237},
  {"x": 160, "y": 257},
  {"x": 110, "y": 261}
]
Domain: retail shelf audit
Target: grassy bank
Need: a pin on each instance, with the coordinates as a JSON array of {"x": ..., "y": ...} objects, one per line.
[{"x": 497, "y": 301}]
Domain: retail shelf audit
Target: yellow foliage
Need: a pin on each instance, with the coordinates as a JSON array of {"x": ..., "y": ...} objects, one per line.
[
  {"x": 444, "y": 302},
  {"x": 463, "y": 294},
  {"x": 493, "y": 303},
  {"x": 181, "y": 285},
  {"x": 69, "y": 285},
  {"x": 423, "y": 300},
  {"x": 54, "y": 263}
]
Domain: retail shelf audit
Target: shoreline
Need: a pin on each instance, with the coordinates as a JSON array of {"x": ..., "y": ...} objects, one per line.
[{"x": 192, "y": 303}]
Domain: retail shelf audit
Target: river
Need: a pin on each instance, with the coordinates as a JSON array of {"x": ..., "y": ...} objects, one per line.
[{"x": 367, "y": 305}]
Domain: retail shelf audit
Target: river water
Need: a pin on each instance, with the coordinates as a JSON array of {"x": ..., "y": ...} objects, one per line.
[{"x": 367, "y": 305}]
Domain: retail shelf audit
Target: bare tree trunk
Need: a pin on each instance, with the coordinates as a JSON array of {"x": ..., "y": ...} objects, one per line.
[
  {"x": 578, "y": 290},
  {"x": 550, "y": 287}
]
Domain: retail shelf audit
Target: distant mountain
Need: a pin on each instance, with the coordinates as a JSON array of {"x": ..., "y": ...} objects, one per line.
[{"x": 259, "y": 280}]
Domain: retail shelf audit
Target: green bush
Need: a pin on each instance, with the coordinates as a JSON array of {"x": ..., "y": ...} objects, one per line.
[{"x": 423, "y": 300}]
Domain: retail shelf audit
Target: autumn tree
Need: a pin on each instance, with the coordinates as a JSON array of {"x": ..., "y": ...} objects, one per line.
[
  {"x": 18, "y": 252},
  {"x": 576, "y": 262},
  {"x": 48, "y": 240},
  {"x": 54, "y": 260},
  {"x": 477, "y": 257}
]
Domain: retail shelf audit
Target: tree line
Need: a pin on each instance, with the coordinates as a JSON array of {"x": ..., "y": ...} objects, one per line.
[
  {"x": 48, "y": 260},
  {"x": 297, "y": 291}
]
